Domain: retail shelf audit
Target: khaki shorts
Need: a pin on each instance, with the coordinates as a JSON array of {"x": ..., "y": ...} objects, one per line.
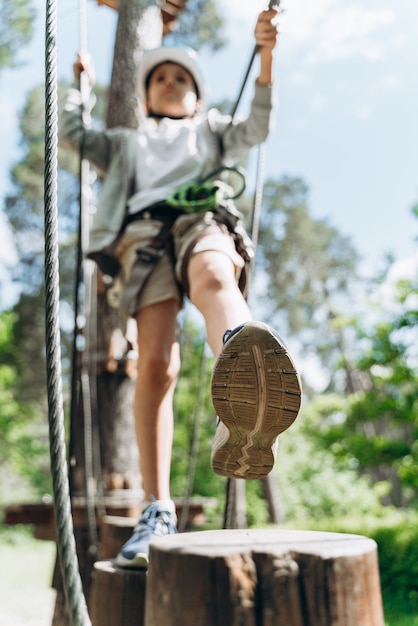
[{"x": 191, "y": 234}]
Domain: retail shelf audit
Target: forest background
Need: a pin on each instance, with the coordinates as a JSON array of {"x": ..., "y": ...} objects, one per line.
[{"x": 350, "y": 462}]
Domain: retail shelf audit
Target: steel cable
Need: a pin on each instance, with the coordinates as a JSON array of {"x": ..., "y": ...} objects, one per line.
[
  {"x": 194, "y": 446},
  {"x": 230, "y": 491},
  {"x": 88, "y": 382},
  {"x": 64, "y": 526}
]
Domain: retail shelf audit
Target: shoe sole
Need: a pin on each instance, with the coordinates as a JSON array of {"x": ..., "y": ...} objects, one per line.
[
  {"x": 257, "y": 395},
  {"x": 140, "y": 561}
]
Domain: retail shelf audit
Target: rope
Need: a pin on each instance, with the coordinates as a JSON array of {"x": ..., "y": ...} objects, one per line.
[
  {"x": 83, "y": 25},
  {"x": 92, "y": 456},
  {"x": 87, "y": 394},
  {"x": 229, "y": 510},
  {"x": 272, "y": 4},
  {"x": 230, "y": 489},
  {"x": 258, "y": 195},
  {"x": 65, "y": 533},
  {"x": 83, "y": 390}
]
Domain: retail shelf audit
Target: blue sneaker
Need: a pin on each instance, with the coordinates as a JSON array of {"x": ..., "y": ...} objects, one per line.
[
  {"x": 152, "y": 523},
  {"x": 257, "y": 394}
]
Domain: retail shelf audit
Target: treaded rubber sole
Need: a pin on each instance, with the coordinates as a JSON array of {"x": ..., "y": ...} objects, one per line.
[
  {"x": 256, "y": 393},
  {"x": 140, "y": 561}
]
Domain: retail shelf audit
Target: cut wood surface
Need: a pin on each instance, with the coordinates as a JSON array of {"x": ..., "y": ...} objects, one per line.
[{"x": 263, "y": 578}]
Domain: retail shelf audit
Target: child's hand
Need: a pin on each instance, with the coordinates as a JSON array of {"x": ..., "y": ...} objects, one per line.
[
  {"x": 266, "y": 30},
  {"x": 84, "y": 63}
]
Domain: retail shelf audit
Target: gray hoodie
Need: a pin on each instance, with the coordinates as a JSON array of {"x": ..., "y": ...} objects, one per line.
[{"x": 141, "y": 167}]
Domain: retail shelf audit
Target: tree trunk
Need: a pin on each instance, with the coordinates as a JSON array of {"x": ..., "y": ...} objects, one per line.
[
  {"x": 140, "y": 28},
  {"x": 112, "y": 452}
]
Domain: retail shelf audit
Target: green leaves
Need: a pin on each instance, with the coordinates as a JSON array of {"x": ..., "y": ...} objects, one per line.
[
  {"x": 24, "y": 435},
  {"x": 377, "y": 429}
]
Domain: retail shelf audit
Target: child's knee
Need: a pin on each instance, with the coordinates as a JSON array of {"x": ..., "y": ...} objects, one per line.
[
  {"x": 159, "y": 370},
  {"x": 210, "y": 272}
]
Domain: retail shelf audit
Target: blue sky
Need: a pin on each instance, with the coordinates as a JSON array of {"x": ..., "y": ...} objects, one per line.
[{"x": 346, "y": 123}]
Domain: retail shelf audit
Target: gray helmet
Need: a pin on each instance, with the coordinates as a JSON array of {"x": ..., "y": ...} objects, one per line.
[{"x": 186, "y": 57}]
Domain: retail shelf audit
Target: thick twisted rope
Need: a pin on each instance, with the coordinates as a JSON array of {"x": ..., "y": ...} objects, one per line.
[{"x": 65, "y": 534}]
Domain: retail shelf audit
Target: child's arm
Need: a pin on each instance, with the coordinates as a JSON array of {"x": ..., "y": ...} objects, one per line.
[
  {"x": 240, "y": 136},
  {"x": 75, "y": 127},
  {"x": 266, "y": 33}
]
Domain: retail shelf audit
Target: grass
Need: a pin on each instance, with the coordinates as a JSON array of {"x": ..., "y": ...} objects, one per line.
[{"x": 26, "y": 596}]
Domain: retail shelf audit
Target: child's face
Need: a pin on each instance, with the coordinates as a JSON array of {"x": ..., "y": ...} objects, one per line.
[{"x": 172, "y": 91}]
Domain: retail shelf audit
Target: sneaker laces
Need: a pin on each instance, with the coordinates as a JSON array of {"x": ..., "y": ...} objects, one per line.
[
  {"x": 230, "y": 333},
  {"x": 155, "y": 521}
]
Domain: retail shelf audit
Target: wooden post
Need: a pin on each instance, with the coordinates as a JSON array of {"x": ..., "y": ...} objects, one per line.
[
  {"x": 118, "y": 596},
  {"x": 273, "y": 498},
  {"x": 263, "y": 578}
]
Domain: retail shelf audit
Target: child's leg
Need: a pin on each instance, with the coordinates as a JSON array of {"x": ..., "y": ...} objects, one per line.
[
  {"x": 256, "y": 390},
  {"x": 214, "y": 291},
  {"x": 158, "y": 368}
]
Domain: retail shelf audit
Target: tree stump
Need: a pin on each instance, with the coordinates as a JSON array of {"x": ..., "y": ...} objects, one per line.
[
  {"x": 118, "y": 596},
  {"x": 263, "y": 578}
]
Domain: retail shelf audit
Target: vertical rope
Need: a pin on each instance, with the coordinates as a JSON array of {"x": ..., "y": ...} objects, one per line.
[
  {"x": 272, "y": 4},
  {"x": 89, "y": 278},
  {"x": 258, "y": 195},
  {"x": 230, "y": 490},
  {"x": 64, "y": 525},
  {"x": 194, "y": 448},
  {"x": 82, "y": 8}
]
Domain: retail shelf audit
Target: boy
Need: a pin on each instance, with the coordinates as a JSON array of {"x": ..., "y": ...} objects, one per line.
[{"x": 255, "y": 387}]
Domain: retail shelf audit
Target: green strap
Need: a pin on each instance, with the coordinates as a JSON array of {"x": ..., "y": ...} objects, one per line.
[
  {"x": 206, "y": 195},
  {"x": 198, "y": 197}
]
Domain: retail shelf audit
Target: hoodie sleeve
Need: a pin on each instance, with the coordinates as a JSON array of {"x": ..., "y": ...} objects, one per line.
[
  {"x": 76, "y": 132},
  {"x": 240, "y": 135}
]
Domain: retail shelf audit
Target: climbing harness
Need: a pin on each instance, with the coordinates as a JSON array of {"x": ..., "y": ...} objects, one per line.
[
  {"x": 211, "y": 194},
  {"x": 214, "y": 193},
  {"x": 147, "y": 258},
  {"x": 64, "y": 526}
]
